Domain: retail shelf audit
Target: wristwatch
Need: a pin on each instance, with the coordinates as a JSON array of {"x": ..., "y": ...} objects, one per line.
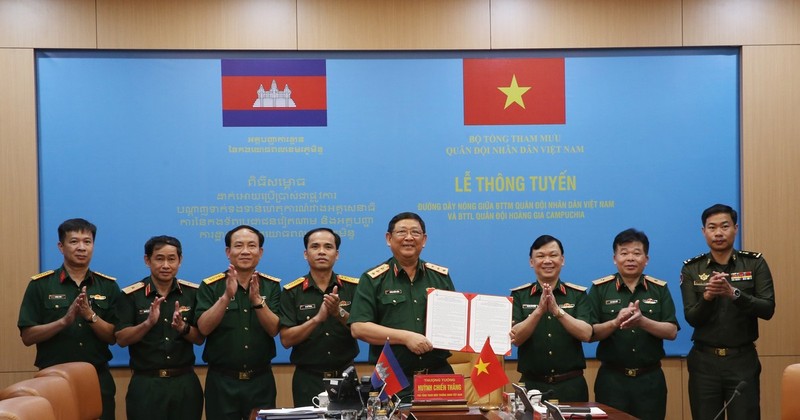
[
  {"x": 260, "y": 305},
  {"x": 342, "y": 312},
  {"x": 93, "y": 319},
  {"x": 560, "y": 313},
  {"x": 736, "y": 293}
]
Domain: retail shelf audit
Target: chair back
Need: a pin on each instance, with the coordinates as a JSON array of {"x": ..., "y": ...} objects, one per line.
[
  {"x": 26, "y": 408},
  {"x": 790, "y": 390},
  {"x": 85, "y": 384},
  {"x": 55, "y": 389}
]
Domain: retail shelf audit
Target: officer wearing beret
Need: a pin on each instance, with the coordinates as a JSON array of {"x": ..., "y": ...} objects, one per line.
[
  {"x": 725, "y": 292},
  {"x": 550, "y": 321},
  {"x": 313, "y": 318},
  {"x": 155, "y": 321},
  {"x": 632, "y": 314},
  {"x": 391, "y": 301},
  {"x": 237, "y": 312},
  {"x": 69, "y": 312}
]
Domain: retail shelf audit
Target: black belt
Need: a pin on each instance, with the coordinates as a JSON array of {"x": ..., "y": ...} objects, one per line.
[
  {"x": 633, "y": 372},
  {"x": 723, "y": 351},
  {"x": 556, "y": 377},
  {"x": 242, "y": 375},
  {"x": 164, "y": 373}
]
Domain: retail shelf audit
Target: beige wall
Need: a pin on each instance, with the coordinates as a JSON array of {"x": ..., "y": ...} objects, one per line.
[{"x": 767, "y": 31}]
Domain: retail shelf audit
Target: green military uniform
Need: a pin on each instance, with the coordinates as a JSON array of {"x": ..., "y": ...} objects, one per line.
[
  {"x": 48, "y": 298},
  {"x": 724, "y": 333},
  {"x": 386, "y": 296},
  {"x": 330, "y": 348},
  {"x": 552, "y": 359},
  {"x": 239, "y": 351},
  {"x": 630, "y": 377},
  {"x": 164, "y": 384}
]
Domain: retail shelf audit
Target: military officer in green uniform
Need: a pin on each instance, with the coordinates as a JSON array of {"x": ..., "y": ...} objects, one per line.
[
  {"x": 155, "y": 322},
  {"x": 550, "y": 321},
  {"x": 69, "y": 312},
  {"x": 391, "y": 302},
  {"x": 237, "y": 312},
  {"x": 313, "y": 318},
  {"x": 725, "y": 292},
  {"x": 632, "y": 315}
]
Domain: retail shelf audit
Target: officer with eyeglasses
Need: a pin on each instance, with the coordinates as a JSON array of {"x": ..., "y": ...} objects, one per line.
[{"x": 391, "y": 301}]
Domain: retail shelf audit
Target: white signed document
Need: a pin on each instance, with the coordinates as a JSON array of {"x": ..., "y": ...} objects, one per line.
[{"x": 462, "y": 321}]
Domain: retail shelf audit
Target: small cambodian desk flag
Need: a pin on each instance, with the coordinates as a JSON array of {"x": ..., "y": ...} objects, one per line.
[
  {"x": 487, "y": 373},
  {"x": 388, "y": 375}
]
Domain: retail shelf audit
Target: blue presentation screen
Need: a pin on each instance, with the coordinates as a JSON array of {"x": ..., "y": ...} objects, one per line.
[{"x": 492, "y": 149}]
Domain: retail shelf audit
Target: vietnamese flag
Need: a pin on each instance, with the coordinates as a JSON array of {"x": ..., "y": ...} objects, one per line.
[
  {"x": 514, "y": 91},
  {"x": 487, "y": 373},
  {"x": 388, "y": 373}
]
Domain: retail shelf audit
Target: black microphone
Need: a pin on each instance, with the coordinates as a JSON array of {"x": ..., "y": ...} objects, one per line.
[{"x": 736, "y": 392}]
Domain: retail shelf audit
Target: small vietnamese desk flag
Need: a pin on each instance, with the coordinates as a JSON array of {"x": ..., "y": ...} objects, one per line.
[
  {"x": 514, "y": 91},
  {"x": 487, "y": 373},
  {"x": 388, "y": 373}
]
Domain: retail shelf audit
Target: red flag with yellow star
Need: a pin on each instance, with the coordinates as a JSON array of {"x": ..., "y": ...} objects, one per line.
[
  {"x": 487, "y": 373},
  {"x": 514, "y": 91}
]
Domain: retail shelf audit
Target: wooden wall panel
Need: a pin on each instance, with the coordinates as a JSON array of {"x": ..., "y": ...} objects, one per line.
[
  {"x": 47, "y": 24},
  {"x": 197, "y": 24},
  {"x": 585, "y": 24},
  {"x": 771, "y": 204},
  {"x": 19, "y": 221},
  {"x": 741, "y": 22},
  {"x": 392, "y": 25}
]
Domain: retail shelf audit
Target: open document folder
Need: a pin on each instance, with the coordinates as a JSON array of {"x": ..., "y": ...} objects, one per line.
[{"x": 462, "y": 321}]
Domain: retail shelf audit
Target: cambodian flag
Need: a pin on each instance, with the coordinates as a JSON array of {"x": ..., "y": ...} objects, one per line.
[
  {"x": 388, "y": 374},
  {"x": 274, "y": 93}
]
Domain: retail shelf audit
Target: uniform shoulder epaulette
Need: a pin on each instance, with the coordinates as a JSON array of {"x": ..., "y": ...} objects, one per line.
[
  {"x": 188, "y": 284},
  {"x": 602, "y": 280},
  {"x": 524, "y": 286},
  {"x": 693, "y": 259},
  {"x": 268, "y": 277},
  {"x": 294, "y": 283},
  {"x": 437, "y": 268},
  {"x": 212, "y": 279},
  {"x": 132, "y": 288},
  {"x": 575, "y": 286},
  {"x": 655, "y": 281},
  {"x": 105, "y": 276},
  {"x": 751, "y": 254},
  {"x": 377, "y": 271},
  {"x": 348, "y": 279},
  {"x": 43, "y": 275}
]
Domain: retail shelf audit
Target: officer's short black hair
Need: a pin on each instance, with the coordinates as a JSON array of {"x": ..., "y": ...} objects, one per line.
[
  {"x": 240, "y": 227},
  {"x": 336, "y": 238},
  {"x": 159, "y": 241},
  {"x": 404, "y": 216},
  {"x": 631, "y": 235},
  {"x": 717, "y": 209},
  {"x": 542, "y": 241},
  {"x": 75, "y": 225}
]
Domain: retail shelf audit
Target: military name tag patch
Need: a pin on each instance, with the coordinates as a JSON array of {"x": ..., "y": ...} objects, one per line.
[
  {"x": 567, "y": 305},
  {"x": 307, "y": 307},
  {"x": 650, "y": 301},
  {"x": 144, "y": 311},
  {"x": 56, "y": 297},
  {"x": 613, "y": 301},
  {"x": 393, "y": 292},
  {"x": 529, "y": 306},
  {"x": 743, "y": 276}
]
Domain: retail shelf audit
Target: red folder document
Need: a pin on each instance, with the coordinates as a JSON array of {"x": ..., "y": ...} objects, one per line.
[{"x": 462, "y": 321}]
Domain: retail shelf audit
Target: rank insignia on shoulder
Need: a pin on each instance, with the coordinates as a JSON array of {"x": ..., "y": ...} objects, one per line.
[
  {"x": 751, "y": 254},
  {"x": 524, "y": 286},
  {"x": 294, "y": 283},
  {"x": 602, "y": 280},
  {"x": 655, "y": 281},
  {"x": 132, "y": 288},
  {"x": 575, "y": 286},
  {"x": 188, "y": 284},
  {"x": 437, "y": 268},
  {"x": 214, "y": 278},
  {"x": 347, "y": 279},
  {"x": 43, "y": 275},
  {"x": 693, "y": 259},
  {"x": 377, "y": 271},
  {"x": 107, "y": 277},
  {"x": 268, "y": 277}
]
